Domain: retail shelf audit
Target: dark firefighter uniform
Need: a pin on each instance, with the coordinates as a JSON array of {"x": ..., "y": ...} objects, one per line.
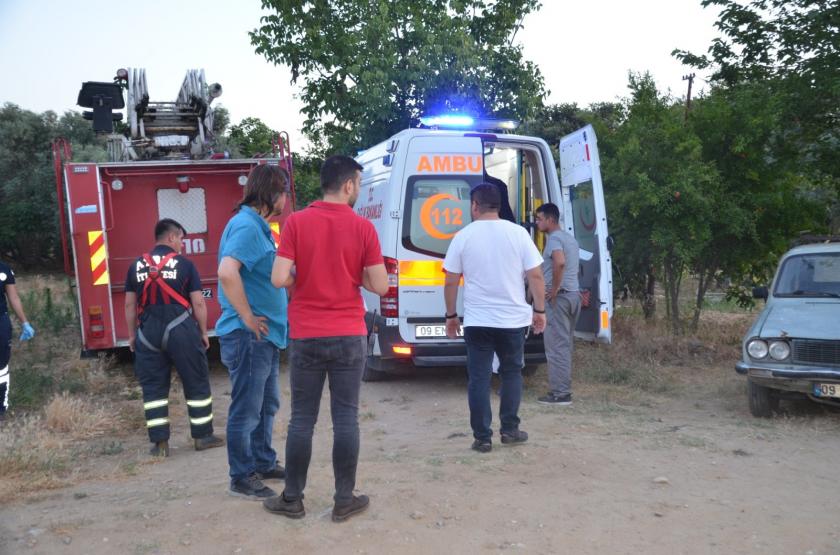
[
  {"x": 167, "y": 335},
  {"x": 7, "y": 277}
]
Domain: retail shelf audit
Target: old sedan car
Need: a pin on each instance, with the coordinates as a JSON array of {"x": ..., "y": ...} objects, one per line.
[{"x": 793, "y": 347}]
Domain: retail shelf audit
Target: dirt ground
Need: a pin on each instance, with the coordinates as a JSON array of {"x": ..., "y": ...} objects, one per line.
[{"x": 618, "y": 472}]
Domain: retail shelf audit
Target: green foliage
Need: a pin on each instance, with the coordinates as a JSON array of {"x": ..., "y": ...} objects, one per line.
[
  {"x": 27, "y": 180},
  {"x": 47, "y": 315},
  {"x": 664, "y": 191},
  {"x": 791, "y": 48},
  {"x": 221, "y": 119},
  {"x": 307, "y": 179},
  {"x": 252, "y": 136},
  {"x": 370, "y": 69}
]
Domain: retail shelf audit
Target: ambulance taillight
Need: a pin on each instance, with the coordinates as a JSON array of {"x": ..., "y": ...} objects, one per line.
[
  {"x": 96, "y": 324},
  {"x": 389, "y": 304}
]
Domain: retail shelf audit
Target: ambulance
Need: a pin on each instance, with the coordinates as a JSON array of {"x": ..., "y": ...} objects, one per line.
[{"x": 415, "y": 190}]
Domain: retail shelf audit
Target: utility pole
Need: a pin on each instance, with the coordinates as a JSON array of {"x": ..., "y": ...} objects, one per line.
[{"x": 690, "y": 79}]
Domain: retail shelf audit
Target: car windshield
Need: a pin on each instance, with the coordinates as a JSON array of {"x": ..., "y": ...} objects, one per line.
[{"x": 809, "y": 275}]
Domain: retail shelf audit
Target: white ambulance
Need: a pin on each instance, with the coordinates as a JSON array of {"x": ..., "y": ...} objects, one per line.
[{"x": 416, "y": 191}]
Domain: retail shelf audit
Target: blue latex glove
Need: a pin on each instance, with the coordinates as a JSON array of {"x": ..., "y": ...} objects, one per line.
[{"x": 28, "y": 332}]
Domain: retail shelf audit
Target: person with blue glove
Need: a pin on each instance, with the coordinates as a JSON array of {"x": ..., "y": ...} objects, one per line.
[{"x": 8, "y": 290}]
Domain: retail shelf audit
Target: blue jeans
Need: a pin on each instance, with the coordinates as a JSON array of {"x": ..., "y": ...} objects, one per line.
[
  {"x": 509, "y": 345},
  {"x": 311, "y": 362},
  {"x": 254, "y": 368}
]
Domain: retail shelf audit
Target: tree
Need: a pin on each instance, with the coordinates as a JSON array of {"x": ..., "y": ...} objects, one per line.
[
  {"x": 791, "y": 47},
  {"x": 27, "y": 181},
  {"x": 370, "y": 69},
  {"x": 252, "y": 136},
  {"x": 661, "y": 195}
]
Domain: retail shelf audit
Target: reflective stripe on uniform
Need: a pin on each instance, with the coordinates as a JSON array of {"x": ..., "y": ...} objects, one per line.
[
  {"x": 157, "y": 422},
  {"x": 199, "y": 404},
  {"x": 202, "y": 420},
  {"x": 4, "y": 371},
  {"x": 155, "y": 404}
]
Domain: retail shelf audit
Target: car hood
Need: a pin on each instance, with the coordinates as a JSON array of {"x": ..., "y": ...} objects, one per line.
[{"x": 818, "y": 319}]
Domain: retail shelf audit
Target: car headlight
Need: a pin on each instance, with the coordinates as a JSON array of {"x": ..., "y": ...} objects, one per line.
[
  {"x": 757, "y": 348},
  {"x": 779, "y": 350}
]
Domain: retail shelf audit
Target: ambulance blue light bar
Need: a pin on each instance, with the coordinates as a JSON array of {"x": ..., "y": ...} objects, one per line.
[
  {"x": 448, "y": 120},
  {"x": 462, "y": 121}
]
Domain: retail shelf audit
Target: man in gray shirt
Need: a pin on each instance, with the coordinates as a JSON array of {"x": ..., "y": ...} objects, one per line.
[{"x": 562, "y": 295}]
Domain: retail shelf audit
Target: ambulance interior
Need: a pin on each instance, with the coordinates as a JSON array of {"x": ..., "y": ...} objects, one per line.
[{"x": 521, "y": 169}]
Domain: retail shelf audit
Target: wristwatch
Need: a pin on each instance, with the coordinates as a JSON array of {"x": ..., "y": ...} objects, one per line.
[{"x": 453, "y": 315}]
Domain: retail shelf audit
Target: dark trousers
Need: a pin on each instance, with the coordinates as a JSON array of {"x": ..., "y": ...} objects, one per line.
[
  {"x": 312, "y": 361},
  {"x": 509, "y": 345},
  {"x": 153, "y": 370},
  {"x": 5, "y": 355}
]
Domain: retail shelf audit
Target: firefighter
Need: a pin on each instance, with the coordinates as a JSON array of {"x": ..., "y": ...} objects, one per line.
[
  {"x": 9, "y": 290},
  {"x": 163, "y": 292}
]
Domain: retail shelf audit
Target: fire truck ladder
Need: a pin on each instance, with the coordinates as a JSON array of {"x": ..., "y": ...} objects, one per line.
[{"x": 180, "y": 128}]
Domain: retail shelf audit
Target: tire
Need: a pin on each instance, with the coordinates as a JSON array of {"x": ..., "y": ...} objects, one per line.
[
  {"x": 371, "y": 373},
  {"x": 530, "y": 369},
  {"x": 762, "y": 400}
]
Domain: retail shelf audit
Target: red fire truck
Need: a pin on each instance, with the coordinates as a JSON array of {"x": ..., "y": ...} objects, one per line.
[{"x": 163, "y": 166}]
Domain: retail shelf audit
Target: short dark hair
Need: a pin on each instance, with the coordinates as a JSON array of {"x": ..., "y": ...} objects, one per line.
[
  {"x": 487, "y": 197},
  {"x": 549, "y": 210},
  {"x": 336, "y": 170},
  {"x": 167, "y": 226},
  {"x": 265, "y": 184}
]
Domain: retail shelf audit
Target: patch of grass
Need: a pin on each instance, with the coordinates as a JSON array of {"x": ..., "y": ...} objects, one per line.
[{"x": 76, "y": 417}]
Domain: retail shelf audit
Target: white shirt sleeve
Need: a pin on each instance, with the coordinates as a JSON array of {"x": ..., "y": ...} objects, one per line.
[
  {"x": 452, "y": 263},
  {"x": 531, "y": 257}
]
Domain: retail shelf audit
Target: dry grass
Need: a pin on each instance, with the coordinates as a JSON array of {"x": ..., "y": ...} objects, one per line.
[
  {"x": 646, "y": 356},
  {"x": 65, "y": 412},
  {"x": 76, "y": 417}
]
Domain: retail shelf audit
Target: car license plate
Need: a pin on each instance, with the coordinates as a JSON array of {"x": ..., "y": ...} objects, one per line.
[
  {"x": 827, "y": 390},
  {"x": 431, "y": 331}
]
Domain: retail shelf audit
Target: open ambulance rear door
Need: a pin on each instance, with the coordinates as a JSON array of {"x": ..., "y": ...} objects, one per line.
[{"x": 585, "y": 217}]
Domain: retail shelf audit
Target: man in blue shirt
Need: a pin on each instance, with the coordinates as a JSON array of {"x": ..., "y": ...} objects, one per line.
[{"x": 252, "y": 329}]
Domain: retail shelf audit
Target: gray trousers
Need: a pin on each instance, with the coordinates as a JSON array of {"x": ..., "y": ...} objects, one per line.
[{"x": 561, "y": 316}]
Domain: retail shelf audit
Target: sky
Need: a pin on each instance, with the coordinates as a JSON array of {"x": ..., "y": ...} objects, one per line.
[{"x": 584, "y": 49}]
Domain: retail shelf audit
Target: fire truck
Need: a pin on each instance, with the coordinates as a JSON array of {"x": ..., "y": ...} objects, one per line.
[{"x": 163, "y": 164}]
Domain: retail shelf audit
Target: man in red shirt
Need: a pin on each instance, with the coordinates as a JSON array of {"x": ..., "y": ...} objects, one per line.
[{"x": 327, "y": 252}]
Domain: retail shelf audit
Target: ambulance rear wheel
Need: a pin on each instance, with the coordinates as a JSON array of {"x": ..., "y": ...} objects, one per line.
[
  {"x": 372, "y": 373},
  {"x": 530, "y": 369}
]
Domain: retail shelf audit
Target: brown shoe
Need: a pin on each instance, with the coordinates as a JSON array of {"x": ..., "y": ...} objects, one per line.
[
  {"x": 278, "y": 505},
  {"x": 359, "y": 503},
  {"x": 160, "y": 449},
  {"x": 208, "y": 442}
]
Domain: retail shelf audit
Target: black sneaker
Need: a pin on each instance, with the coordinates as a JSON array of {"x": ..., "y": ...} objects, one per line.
[
  {"x": 341, "y": 513},
  {"x": 208, "y": 442},
  {"x": 514, "y": 436},
  {"x": 278, "y": 505},
  {"x": 160, "y": 449},
  {"x": 556, "y": 400},
  {"x": 276, "y": 473},
  {"x": 482, "y": 445},
  {"x": 251, "y": 488}
]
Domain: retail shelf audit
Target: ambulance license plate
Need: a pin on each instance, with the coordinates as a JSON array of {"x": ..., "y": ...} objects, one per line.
[
  {"x": 827, "y": 390},
  {"x": 431, "y": 331}
]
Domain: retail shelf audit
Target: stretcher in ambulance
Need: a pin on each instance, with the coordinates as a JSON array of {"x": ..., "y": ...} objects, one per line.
[{"x": 416, "y": 191}]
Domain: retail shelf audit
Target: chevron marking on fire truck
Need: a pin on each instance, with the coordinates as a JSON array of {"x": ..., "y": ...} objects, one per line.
[
  {"x": 275, "y": 233},
  {"x": 98, "y": 265}
]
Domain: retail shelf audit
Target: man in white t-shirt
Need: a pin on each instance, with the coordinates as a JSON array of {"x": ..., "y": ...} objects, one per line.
[{"x": 494, "y": 256}]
